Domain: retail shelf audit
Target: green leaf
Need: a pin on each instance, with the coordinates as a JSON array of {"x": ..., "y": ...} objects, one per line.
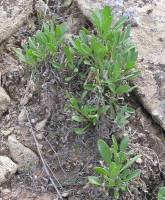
[
  {"x": 103, "y": 109},
  {"x": 120, "y": 23},
  {"x": 161, "y": 193},
  {"x": 81, "y": 131},
  {"x": 116, "y": 71},
  {"x": 77, "y": 118},
  {"x": 114, "y": 169},
  {"x": 60, "y": 31},
  {"x": 89, "y": 86},
  {"x": 20, "y": 55},
  {"x": 56, "y": 65},
  {"x": 132, "y": 175},
  {"x": 69, "y": 54},
  {"x": 74, "y": 102},
  {"x": 129, "y": 163},
  {"x": 123, "y": 89},
  {"x": 105, "y": 151},
  {"x": 102, "y": 171},
  {"x": 94, "y": 180},
  {"x": 67, "y": 79},
  {"x": 122, "y": 157},
  {"x": 102, "y": 20},
  {"x": 124, "y": 144}
]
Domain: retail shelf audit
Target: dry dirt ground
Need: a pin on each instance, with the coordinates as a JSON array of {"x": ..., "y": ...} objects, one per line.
[{"x": 39, "y": 106}]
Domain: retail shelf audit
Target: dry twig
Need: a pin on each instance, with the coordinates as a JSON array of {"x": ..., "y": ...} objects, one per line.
[{"x": 41, "y": 157}]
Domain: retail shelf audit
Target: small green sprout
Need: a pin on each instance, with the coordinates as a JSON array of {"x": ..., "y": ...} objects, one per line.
[{"x": 116, "y": 173}]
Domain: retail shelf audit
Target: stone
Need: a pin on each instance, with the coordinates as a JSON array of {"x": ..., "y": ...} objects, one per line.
[
  {"x": 42, "y": 8},
  {"x": 8, "y": 131},
  {"x": 14, "y": 13},
  {"x": 39, "y": 136},
  {"x": 23, "y": 156},
  {"x": 149, "y": 36},
  {"x": 40, "y": 125},
  {"x": 65, "y": 194},
  {"x": 7, "y": 169},
  {"x": 139, "y": 161},
  {"x": 5, "y": 191},
  {"x": 22, "y": 116},
  {"x": 4, "y": 101}
]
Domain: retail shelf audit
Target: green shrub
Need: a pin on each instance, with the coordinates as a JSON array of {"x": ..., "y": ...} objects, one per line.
[
  {"x": 43, "y": 46},
  {"x": 104, "y": 60},
  {"x": 161, "y": 193},
  {"x": 86, "y": 114},
  {"x": 107, "y": 58},
  {"x": 116, "y": 172}
]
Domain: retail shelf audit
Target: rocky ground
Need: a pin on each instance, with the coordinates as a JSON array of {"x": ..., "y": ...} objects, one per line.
[{"x": 33, "y": 108}]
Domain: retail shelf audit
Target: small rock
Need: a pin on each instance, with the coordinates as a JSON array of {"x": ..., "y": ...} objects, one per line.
[
  {"x": 22, "y": 116},
  {"x": 7, "y": 132},
  {"x": 40, "y": 125},
  {"x": 65, "y": 194},
  {"x": 24, "y": 156},
  {"x": 6, "y": 191},
  {"x": 42, "y": 7},
  {"x": 4, "y": 101},
  {"x": 139, "y": 161},
  {"x": 131, "y": 13},
  {"x": 39, "y": 136},
  {"x": 7, "y": 168}
]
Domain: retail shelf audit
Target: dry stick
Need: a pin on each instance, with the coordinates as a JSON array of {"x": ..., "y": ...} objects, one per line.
[
  {"x": 42, "y": 159},
  {"x": 56, "y": 155}
]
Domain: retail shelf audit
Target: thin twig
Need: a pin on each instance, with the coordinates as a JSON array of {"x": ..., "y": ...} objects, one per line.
[
  {"x": 41, "y": 157},
  {"x": 56, "y": 155},
  {"x": 54, "y": 176}
]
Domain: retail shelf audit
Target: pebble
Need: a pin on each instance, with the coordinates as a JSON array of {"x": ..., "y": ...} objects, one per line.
[{"x": 39, "y": 136}]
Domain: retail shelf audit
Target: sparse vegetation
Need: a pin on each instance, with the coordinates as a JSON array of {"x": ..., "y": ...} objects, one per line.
[
  {"x": 161, "y": 193},
  {"x": 107, "y": 59},
  {"x": 43, "y": 46},
  {"x": 104, "y": 60},
  {"x": 116, "y": 172}
]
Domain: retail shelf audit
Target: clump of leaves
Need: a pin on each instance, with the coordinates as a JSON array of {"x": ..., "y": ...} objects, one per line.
[
  {"x": 161, "y": 193},
  {"x": 88, "y": 115},
  {"x": 116, "y": 173},
  {"x": 108, "y": 57},
  {"x": 45, "y": 43}
]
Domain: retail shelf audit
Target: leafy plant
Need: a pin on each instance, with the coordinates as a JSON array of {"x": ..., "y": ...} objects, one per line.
[
  {"x": 161, "y": 193},
  {"x": 86, "y": 114},
  {"x": 122, "y": 115},
  {"x": 45, "y": 43},
  {"x": 107, "y": 58},
  {"x": 116, "y": 172}
]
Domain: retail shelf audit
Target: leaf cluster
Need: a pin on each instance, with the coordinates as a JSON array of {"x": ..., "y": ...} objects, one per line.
[
  {"x": 116, "y": 173},
  {"x": 86, "y": 114},
  {"x": 45, "y": 43},
  {"x": 108, "y": 58},
  {"x": 161, "y": 193}
]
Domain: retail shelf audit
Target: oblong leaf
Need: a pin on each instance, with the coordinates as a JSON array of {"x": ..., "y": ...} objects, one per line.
[
  {"x": 124, "y": 143},
  {"x": 123, "y": 89},
  {"x": 129, "y": 163},
  {"x": 77, "y": 118},
  {"x": 102, "y": 171},
  {"x": 161, "y": 193},
  {"x": 105, "y": 151},
  {"x": 94, "y": 180},
  {"x": 132, "y": 175}
]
